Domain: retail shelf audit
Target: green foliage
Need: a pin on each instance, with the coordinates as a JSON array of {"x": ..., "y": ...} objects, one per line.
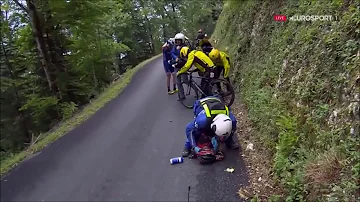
[
  {"x": 300, "y": 81},
  {"x": 39, "y": 107},
  {"x": 68, "y": 109}
]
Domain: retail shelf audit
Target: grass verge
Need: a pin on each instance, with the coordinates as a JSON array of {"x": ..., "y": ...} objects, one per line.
[{"x": 110, "y": 93}]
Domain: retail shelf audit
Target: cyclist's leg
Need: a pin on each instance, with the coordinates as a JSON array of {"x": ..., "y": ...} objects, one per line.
[
  {"x": 231, "y": 143},
  {"x": 174, "y": 82},
  {"x": 187, "y": 147},
  {"x": 185, "y": 79},
  {"x": 218, "y": 71},
  {"x": 205, "y": 84},
  {"x": 227, "y": 78},
  {"x": 173, "y": 73},
  {"x": 168, "y": 75},
  {"x": 180, "y": 86}
]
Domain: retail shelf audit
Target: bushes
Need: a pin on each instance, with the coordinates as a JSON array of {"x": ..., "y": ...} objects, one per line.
[{"x": 300, "y": 81}]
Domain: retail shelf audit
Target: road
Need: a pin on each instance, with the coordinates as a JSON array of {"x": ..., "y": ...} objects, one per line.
[{"x": 122, "y": 154}]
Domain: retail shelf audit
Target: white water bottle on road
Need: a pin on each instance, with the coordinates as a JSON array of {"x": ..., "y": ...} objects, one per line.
[{"x": 176, "y": 160}]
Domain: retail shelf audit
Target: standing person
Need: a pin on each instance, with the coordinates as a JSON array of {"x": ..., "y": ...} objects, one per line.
[
  {"x": 199, "y": 37},
  {"x": 205, "y": 45},
  {"x": 222, "y": 62},
  {"x": 175, "y": 53},
  {"x": 179, "y": 43},
  {"x": 202, "y": 63},
  {"x": 169, "y": 69}
]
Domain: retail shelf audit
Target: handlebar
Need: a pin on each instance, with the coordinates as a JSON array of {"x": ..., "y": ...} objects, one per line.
[{"x": 190, "y": 72}]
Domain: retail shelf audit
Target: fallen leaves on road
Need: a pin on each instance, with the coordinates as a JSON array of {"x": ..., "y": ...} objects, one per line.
[
  {"x": 243, "y": 193},
  {"x": 250, "y": 146}
]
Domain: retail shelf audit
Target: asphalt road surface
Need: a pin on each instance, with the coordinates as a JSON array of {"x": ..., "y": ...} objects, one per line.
[{"x": 122, "y": 154}]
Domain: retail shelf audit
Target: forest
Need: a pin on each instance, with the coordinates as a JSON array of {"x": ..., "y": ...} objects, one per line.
[{"x": 58, "y": 55}]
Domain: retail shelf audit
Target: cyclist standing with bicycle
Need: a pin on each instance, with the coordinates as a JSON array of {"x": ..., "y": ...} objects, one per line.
[
  {"x": 175, "y": 53},
  {"x": 202, "y": 63},
  {"x": 212, "y": 119},
  {"x": 222, "y": 62}
]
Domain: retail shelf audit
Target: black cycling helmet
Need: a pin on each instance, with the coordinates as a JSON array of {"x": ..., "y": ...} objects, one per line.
[{"x": 206, "y": 156}]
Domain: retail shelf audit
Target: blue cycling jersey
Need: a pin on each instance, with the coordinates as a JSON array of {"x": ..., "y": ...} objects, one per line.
[{"x": 200, "y": 124}]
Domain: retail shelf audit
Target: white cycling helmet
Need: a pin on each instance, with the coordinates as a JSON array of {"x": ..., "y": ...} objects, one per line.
[
  {"x": 180, "y": 36},
  {"x": 222, "y": 125},
  {"x": 171, "y": 41}
]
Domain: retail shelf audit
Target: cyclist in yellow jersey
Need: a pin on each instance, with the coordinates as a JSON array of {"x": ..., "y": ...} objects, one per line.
[
  {"x": 222, "y": 62},
  {"x": 201, "y": 61}
]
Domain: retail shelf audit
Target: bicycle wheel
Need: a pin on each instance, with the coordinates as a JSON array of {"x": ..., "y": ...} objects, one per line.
[
  {"x": 191, "y": 95},
  {"x": 224, "y": 90}
]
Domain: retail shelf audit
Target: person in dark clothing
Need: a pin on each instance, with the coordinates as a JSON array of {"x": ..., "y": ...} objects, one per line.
[
  {"x": 200, "y": 35},
  {"x": 205, "y": 45}
]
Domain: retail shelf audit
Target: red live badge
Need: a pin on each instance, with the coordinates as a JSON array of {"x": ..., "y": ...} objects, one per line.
[{"x": 281, "y": 18}]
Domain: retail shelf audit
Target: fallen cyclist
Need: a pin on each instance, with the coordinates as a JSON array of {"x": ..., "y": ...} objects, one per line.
[
  {"x": 207, "y": 149},
  {"x": 213, "y": 122}
]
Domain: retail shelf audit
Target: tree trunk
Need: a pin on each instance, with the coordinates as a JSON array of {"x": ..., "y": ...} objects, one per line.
[
  {"x": 173, "y": 6},
  {"x": 57, "y": 58},
  {"x": 149, "y": 30},
  {"x": 40, "y": 43},
  {"x": 152, "y": 49}
]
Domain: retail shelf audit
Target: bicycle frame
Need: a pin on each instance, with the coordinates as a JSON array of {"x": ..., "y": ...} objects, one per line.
[
  {"x": 211, "y": 83},
  {"x": 191, "y": 81}
]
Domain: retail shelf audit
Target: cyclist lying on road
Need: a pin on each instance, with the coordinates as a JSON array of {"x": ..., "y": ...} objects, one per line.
[
  {"x": 207, "y": 150},
  {"x": 202, "y": 63},
  {"x": 213, "y": 119}
]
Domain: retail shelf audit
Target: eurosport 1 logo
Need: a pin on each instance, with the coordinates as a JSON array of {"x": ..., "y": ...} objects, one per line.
[{"x": 307, "y": 18}]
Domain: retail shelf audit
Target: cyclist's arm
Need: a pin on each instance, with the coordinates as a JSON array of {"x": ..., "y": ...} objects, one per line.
[
  {"x": 198, "y": 124},
  {"x": 226, "y": 65},
  {"x": 164, "y": 53},
  {"x": 188, "y": 63},
  {"x": 190, "y": 128},
  {"x": 197, "y": 107},
  {"x": 234, "y": 122},
  {"x": 215, "y": 144},
  {"x": 174, "y": 53}
]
